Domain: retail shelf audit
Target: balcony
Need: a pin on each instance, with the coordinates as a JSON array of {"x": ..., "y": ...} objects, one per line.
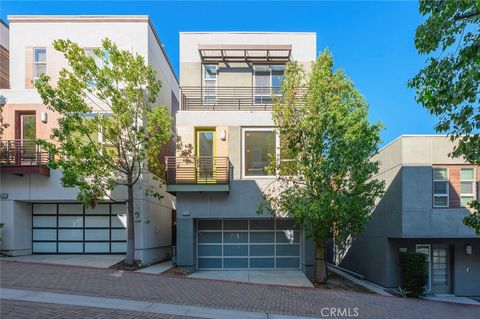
[
  {"x": 197, "y": 174},
  {"x": 227, "y": 98},
  {"x": 22, "y": 157}
]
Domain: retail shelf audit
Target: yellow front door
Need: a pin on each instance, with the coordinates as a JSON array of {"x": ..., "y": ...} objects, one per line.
[{"x": 205, "y": 152}]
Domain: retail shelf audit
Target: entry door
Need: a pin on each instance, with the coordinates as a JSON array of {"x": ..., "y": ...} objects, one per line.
[
  {"x": 25, "y": 134},
  {"x": 440, "y": 270},
  {"x": 205, "y": 152}
]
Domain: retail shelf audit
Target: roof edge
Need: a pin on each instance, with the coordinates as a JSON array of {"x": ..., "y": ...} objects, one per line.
[{"x": 77, "y": 18}]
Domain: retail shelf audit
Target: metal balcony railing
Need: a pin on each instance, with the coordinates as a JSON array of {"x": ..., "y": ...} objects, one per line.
[
  {"x": 22, "y": 153},
  {"x": 197, "y": 170},
  {"x": 227, "y": 98}
]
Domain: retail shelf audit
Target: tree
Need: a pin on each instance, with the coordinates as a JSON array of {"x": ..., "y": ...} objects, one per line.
[
  {"x": 449, "y": 85},
  {"x": 3, "y": 125},
  {"x": 326, "y": 176},
  {"x": 110, "y": 128}
]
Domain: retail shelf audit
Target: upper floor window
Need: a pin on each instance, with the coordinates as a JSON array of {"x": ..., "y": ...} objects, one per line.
[
  {"x": 440, "y": 187},
  {"x": 210, "y": 72},
  {"x": 267, "y": 81},
  {"x": 467, "y": 186},
  {"x": 39, "y": 62},
  {"x": 99, "y": 61}
]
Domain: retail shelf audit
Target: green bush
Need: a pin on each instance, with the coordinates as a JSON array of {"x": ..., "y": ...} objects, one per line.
[{"x": 413, "y": 273}]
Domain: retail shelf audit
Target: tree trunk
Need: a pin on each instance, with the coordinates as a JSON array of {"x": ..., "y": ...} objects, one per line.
[
  {"x": 130, "y": 257},
  {"x": 320, "y": 264}
]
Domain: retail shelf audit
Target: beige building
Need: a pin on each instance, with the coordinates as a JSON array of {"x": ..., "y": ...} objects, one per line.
[
  {"x": 41, "y": 216},
  {"x": 225, "y": 124}
]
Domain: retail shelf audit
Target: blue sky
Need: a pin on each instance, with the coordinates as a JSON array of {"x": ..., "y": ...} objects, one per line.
[{"x": 371, "y": 41}]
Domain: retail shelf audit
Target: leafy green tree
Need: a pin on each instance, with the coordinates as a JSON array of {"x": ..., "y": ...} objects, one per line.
[
  {"x": 326, "y": 176},
  {"x": 449, "y": 85},
  {"x": 110, "y": 128},
  {"x": 3, "y": 125}
]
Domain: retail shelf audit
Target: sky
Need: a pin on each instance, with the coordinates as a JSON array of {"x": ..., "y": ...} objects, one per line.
[{"x": 373, "y": 42}]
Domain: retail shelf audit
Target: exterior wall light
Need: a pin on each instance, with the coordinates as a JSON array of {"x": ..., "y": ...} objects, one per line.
[
  {"x": 43, "y": 117},
  {"x": 223, "y": 135},
  {"x": 468, "y": 249}
]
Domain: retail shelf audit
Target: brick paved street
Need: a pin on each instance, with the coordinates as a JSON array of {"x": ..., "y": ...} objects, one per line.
[
  {"x": 26, "y": 310},
  {"x": 217, "y": 294}
]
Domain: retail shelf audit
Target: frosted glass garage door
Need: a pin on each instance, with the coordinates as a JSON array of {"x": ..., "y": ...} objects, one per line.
[
  {"x": 75, "y": 229},
  {"x": 248, "y": 244}
]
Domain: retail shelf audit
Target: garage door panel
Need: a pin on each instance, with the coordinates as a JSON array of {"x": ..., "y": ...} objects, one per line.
[
  {"x": 235, "y": 263},
  {"x": 209, "y": 250},
  {"x": 40, "y": 247},
  {"x": 66, "y": 247},
  {"x": 235, "y": 224},
  {"x": 70, "y": 234},
  {"x": 287, "y": 250},
  {"x": 44, "y": 221},
  {"x": 44, "y": 234},
  {"x": 97, "y": 221},
  {"x": 235, "y": 250},
  {"x": 69, "y": 209},
  {"x": 119, "y": 247},
  {"x": 119, "y": 234},
  {"x": 235, "y": 237},
  {"x": 97, "y": 234},
  {"x": 209, "y": 237},
  {"x": 287, "y": 262},
  {"x": 70, "y": 221},
  {"x": 97, "y": 247},
  {"x": 262, "y": 262},
  {"x": 41, "y": 209},
  {"x": 288, "y": 237},
  {"x": 262, "y": 237},
  {"x": 210, "y": 263}
]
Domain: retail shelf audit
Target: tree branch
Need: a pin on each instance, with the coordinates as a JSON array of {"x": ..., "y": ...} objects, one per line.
[{"x": 466, "y": 15}]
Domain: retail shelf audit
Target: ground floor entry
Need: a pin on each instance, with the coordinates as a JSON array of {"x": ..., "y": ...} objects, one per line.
[
  {"x": 73, "y": 228},
  {"x": 248, "y": 244}
]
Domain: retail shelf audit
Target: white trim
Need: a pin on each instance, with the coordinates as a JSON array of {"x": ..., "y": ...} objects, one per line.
[
  {"x": 472, "y": 181},
  {"x": 277, "y": 150},
  {"x": 447, "y": 195},
  {"x": 37, "y": 63}
]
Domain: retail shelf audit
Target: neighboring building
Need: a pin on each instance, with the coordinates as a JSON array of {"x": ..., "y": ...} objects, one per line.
[
  {"x": 422, "y": 210},
  {"x": 41, "y": 216},
  {"x": 228, "y": 136},
  {"x": 4, "y": 59}
]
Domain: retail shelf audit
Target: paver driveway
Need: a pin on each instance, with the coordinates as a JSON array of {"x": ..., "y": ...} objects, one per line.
[{"x": 218, "y": 294}]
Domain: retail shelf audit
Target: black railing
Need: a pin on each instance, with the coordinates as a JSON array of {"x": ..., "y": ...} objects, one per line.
[
  {"x": 197, "y": 170},
  {"x": 227, "y": 98},
  {"x": 22, "y": 153}
]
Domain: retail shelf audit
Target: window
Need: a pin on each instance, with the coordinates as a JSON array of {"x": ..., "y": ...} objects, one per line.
[
  {"x": 99, "y": 61},
  {"x": 467, "y": 186},
  {"x": 268, "y": 81},
  {"x": 259, "y": 151},
  {"x": 39, "y": 62},
  {"x": 440, "y": 187},
  {"x": 210, "y": 72}
]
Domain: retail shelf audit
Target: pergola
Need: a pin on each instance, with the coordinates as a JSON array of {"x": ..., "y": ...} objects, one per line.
[{"x": 213, "y": 53}]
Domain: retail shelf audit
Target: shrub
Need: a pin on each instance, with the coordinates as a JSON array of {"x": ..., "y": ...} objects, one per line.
[{"x": 413, "y": 273}]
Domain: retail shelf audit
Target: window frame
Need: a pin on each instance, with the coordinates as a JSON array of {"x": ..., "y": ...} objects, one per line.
[
  {"x": 260, "y": 98},
  {"x": 209, "y": 99},
  {"x": 472, "y": 181},
  {"x": 37, "y": 63},
  {"x": 447, "y": 181},
  {"x": 277, "y": 150}
]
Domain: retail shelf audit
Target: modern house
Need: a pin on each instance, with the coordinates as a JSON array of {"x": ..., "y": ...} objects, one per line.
[
  {"x": 226, "y": 138},
  {"x": 422, "y": 210},
  {"x": 40, "y": 216}
]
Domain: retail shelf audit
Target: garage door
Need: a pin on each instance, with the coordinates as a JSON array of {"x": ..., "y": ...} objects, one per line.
[
  {"x": 247, "y": 244},
  {"x": 76, "y": 229}
]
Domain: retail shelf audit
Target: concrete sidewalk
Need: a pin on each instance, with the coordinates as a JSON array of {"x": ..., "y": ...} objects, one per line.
[
  {"x": 96, "y": 261},
  {"x": 294, "y": 278}
]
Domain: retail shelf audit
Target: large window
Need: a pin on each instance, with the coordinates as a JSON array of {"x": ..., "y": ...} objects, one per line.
[
  {"x": 210, "y": 83},
  {"x": 440, "y": 187},
  {"x": 259, "y": 151},
  {"x": 467, "y": 186},
  {"x": 267, "y": 80},
  {"x": 39, "y": 62}
]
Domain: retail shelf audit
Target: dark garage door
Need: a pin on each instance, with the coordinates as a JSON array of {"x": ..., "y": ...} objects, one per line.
[{"x": 248, "y": 244}]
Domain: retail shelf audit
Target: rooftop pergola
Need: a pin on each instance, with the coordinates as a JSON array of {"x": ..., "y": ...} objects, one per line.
[{"x": 214, "y": 53}]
